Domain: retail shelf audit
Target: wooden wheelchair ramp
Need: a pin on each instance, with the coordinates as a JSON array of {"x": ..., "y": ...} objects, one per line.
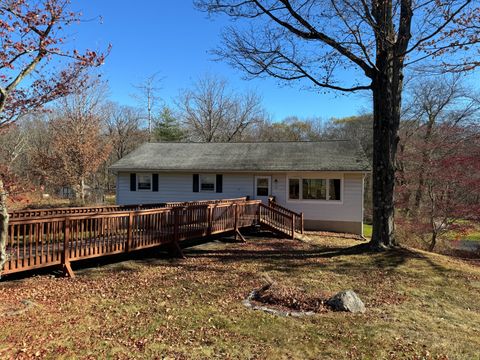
[{"x": 57, "y": 239}]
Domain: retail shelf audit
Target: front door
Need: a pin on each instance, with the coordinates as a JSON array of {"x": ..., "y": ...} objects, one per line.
[{"x": 263, "y": 188}]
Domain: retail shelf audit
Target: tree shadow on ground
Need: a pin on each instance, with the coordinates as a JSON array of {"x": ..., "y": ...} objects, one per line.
[
  {"x": 290, "y": 256},
  {"x": 268, "y": 251}
]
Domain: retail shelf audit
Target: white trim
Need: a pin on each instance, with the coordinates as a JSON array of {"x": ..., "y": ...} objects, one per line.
[
  {"x": 151, "y": 181},
  {"x": 315, "y": 176}
]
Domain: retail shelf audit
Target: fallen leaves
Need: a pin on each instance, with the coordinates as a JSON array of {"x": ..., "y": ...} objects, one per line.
[{"x": 192, "y": 309}]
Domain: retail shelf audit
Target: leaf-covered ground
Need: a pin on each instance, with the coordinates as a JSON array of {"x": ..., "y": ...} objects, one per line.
[{"x": 419, "y": 306}]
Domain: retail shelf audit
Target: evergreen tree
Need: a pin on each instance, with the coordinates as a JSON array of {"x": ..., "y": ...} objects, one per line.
[{"x": 167, "y": 128}]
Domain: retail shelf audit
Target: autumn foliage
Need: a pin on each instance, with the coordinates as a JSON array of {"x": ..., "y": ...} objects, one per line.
[
  {"x": 76, "y": 145},
  {"x": 450, "y": 188},
  {"x": 36, "y": 67},
  {"x": 33, "y": 46}
]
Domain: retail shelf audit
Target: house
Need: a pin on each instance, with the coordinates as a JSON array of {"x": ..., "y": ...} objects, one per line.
[{"x": 323, "y": 179}]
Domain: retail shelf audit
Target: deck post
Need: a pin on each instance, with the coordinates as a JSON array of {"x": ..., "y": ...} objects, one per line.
[
  {"x": 235, "y": 224},
  {"x": 176, "y": 224},
  {"x": 129, "y": 232},
  {"x": 67, "y": 269},
  {"x": 210, "y": 220},
  {"x": 301, "y": 223},
  {"x": 293, "y": 226},
  {"x": 259, "y": 213}
]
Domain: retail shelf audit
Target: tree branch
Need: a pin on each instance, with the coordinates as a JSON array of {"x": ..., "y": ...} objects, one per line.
[
  {"x": 314, "y": 34},
  {"x": 439, "y": 29}
]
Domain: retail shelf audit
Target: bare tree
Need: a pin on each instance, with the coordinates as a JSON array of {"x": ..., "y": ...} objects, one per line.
[
  {"x": 433, "y": 107},
  {"x": 314, "y": 41},
  {"x": 149, "y": 98},
  {"x": 211, "y": 112},
  {"x": 291, "y": 128},
  {"x": 77, "y": 145},
  {"x": 124, "y": 129},
  {"x": 450, "y": 180},
  {"x": 14, "y": 141}
]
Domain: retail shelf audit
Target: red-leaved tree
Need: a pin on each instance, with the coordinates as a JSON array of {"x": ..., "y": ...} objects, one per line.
[
  {"x": 32, "y": 50},
  {"x": 450, "y": 180}
]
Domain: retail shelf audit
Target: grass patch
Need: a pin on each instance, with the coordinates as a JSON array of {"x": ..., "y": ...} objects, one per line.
[
  {"x": 419, "y": 305},
  {"x": 367, "y": 230},
  {"x": 473, "y": 236}
]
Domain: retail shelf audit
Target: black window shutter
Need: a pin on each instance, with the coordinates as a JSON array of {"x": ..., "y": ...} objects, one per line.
[
  {"x": 154, "y": 182},
  {"x": 133, "y": 182},
  {"x": 196, "y": 182},
  {"x": 219, "y": 183}
]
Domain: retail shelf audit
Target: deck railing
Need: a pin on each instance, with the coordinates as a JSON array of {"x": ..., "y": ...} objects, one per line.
[
  {"x": 58, "y": 239},
  {"x": 277, "y": 220},
  {"x": 298, "y": 217},
  {"x": 46, "y": 240},
  {"x": 30, "y": 213}
]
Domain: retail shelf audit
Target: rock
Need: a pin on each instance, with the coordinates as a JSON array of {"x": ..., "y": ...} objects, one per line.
[{"x": 346, "y": 301}]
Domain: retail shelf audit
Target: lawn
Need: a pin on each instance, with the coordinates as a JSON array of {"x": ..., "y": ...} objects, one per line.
[
  {"x": 367, "y": 230},
  {"x": 419, "y": 306}
]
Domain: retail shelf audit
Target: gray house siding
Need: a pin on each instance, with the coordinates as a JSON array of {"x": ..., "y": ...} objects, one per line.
[{"x": 343, "y": 216}]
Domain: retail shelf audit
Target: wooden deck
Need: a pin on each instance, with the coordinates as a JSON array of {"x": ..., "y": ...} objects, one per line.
[{"x": 42, "y": 238}]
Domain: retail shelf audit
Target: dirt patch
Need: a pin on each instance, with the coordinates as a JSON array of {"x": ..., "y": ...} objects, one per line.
[
  {"x": 17, "y": 309},
  {"x": 287, "y": 300},
  {"x": 293, "y": 298}
]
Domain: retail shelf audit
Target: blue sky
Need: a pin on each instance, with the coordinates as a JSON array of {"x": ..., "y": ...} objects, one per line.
[{"x": 174, "y": 39}]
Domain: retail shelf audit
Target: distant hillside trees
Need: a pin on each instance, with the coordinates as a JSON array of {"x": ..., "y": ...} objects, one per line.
[
  {"x": 291, "y": 128},
  {"x": 358, "y": 127},
  {"x": 438, "y": 173}
]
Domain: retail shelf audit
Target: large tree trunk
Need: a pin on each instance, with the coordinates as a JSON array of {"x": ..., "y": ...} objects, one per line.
[
  {"x": 433, "y": 241},
  {"x": 3, "y": 226},
  {"x": 386, "y": 121}
]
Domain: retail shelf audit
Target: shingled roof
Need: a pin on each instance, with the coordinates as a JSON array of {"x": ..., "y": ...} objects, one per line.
[{"x": 328, "y": 155}]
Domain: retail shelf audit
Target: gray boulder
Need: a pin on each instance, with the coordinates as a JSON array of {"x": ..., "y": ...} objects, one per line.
[{"x": 346, "y": 301}]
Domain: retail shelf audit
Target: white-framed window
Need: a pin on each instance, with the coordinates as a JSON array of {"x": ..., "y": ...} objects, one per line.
[
  {"x": 315, "y": 189},
  {"x": 144, "y": 182},
  {"x": 263, "y": 185},
  {"x": 207, "y": 182}
]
